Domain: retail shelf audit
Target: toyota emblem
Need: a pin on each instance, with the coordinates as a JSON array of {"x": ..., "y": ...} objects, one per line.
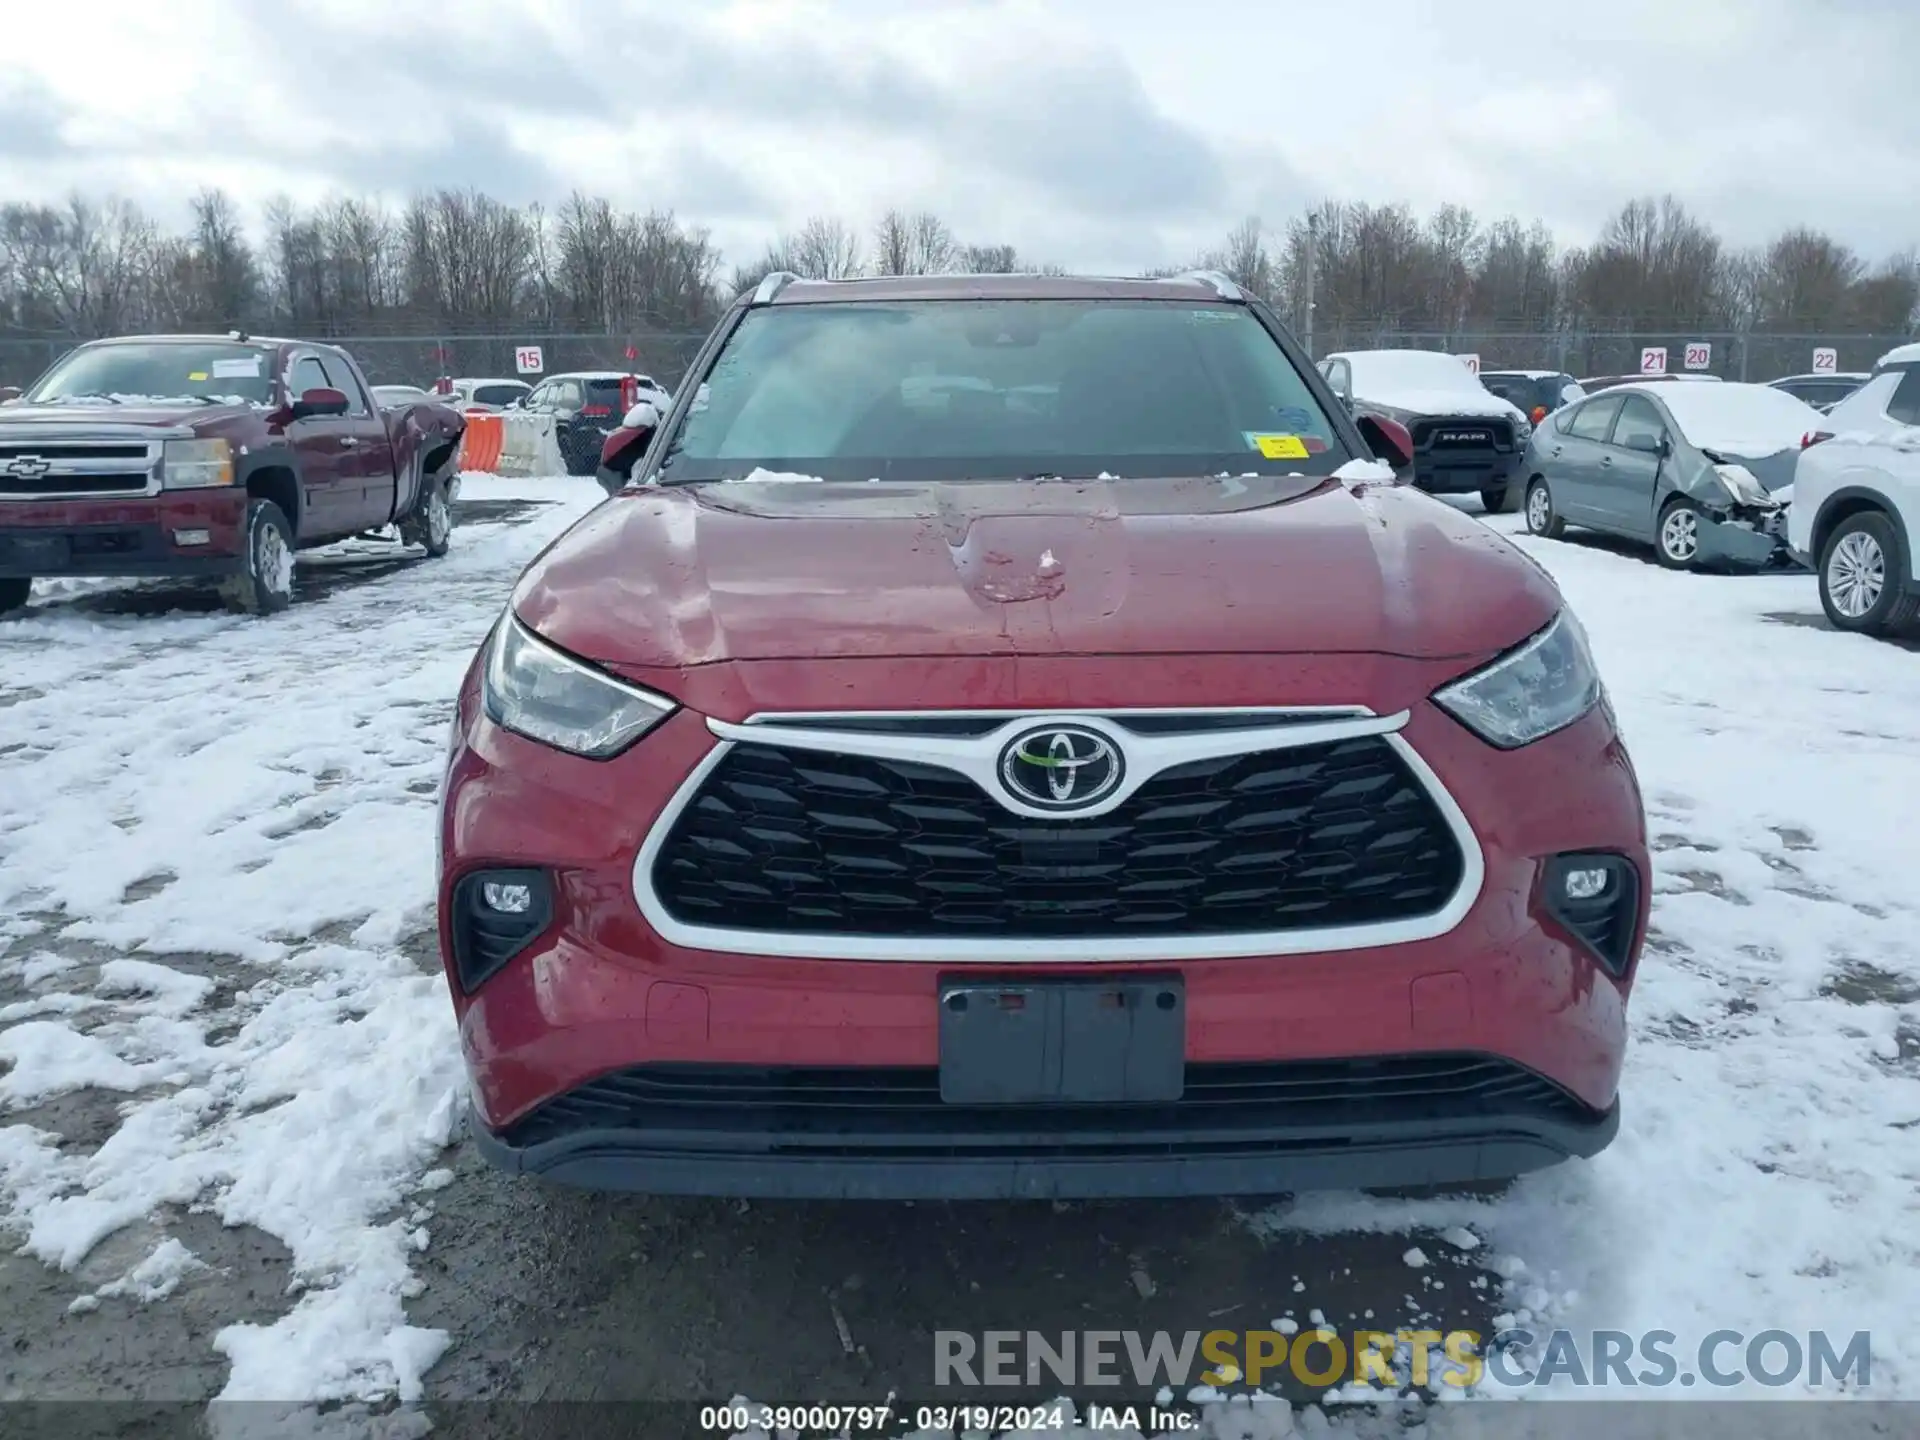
[
  {"x": 29, "y": 467},
  {"x": 1061, "y": 767}
]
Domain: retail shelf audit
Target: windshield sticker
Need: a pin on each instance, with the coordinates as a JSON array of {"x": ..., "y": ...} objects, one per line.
[
  {"x": 196, "y": 375},
  {"x": 1279, "y": 447},
  {"x": 1293, "y": 419},
  {"x": 1213, "y": 315},
  {"x": 244, "y": 369}
]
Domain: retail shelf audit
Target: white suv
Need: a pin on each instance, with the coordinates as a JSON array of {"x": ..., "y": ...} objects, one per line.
[{"x": 1856, "y": 501}]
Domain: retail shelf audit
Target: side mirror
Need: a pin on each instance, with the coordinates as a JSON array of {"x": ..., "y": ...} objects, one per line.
[
  {"x": 1648, "y": 444},
  {"x": 319, "y": 401},
  {"x": 1388, "y": 439}
]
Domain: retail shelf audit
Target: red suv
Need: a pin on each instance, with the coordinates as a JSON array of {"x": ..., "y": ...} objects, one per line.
[{"x": 1007, "y": 740}]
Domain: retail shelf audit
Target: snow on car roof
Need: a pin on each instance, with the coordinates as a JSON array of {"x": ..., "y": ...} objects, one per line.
[
  {"x": 1899, "y": 355},
  {"x": 1527, "y": 374},
  {"x": 1749, "y": 421},
  {"x": 1429, "y": 382},
  {"x": 490, "y": 380},
  {"x": 1824, "y": 375}
]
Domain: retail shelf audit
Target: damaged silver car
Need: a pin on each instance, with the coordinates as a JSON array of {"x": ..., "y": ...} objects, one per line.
[{"x": 1702, "y": 473}]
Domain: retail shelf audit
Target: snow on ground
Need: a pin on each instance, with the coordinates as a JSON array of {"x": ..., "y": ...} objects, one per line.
[
  {"x": 185, "y": 796},
  {"x": 1765, "y": 1172}
]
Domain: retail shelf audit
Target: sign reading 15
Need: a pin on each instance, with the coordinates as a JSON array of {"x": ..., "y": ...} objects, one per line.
[{"x": 528, "y": 360}]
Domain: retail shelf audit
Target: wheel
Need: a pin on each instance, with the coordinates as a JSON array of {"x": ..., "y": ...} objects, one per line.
[
  {"x": 431, "y": 524},
  {"x": 1677, "y": 542},
  {"x": 14, "y": 592},
  {"x": 1501, "y": 499},
  {"x": 265, "y": 587},
  {"x": 1542, "y": 518},
  {"x": 1862, "y": 576}
]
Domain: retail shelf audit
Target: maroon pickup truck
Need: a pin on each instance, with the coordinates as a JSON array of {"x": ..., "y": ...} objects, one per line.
[{"x": 217, "y": 456}]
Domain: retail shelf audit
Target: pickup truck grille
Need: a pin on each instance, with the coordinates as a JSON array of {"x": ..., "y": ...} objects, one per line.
[
  {"x": 777, "y": 840},
  {"x": 1464, "y": 432},
  {"x": 55, "y": 467}
]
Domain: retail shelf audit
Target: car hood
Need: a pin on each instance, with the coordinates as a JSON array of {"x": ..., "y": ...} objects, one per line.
[
  {"x": 140, "y": 415},
  {"x": 694, "y": 575},
  {"x": 1438, "y": 403}
]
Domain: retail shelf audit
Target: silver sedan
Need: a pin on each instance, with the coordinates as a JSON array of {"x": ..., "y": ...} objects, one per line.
[{"x": 1702, "y": 473}]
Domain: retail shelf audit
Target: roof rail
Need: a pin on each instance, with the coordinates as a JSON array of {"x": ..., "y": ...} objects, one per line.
[
  {"x": 1222, "y": 286},
  {"x": 772, "y": 285}
]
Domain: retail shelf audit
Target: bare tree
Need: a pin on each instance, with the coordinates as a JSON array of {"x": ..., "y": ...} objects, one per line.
[
  {"x": 824, "y": 248},
  {"x": 919, "y": 244},
  {"x": 455, "y": 263},
  {"x": 990, "y": 260},
  {"x": 1804, "y": 281},
  {"x": 1245, "y": 260}
]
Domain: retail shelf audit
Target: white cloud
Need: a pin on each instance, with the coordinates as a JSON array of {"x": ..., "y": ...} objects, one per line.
[{"x": 1101, "y": 133}]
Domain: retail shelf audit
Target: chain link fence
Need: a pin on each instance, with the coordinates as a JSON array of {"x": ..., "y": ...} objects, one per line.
[
  {"x": 665, "y": 355},
  {"x": 1732, "y": 355}
]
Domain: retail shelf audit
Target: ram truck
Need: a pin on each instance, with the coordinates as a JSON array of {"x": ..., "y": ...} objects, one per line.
[{"x": 216, "y": 457}]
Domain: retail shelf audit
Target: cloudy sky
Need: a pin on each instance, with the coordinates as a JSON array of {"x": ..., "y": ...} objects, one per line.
[{"x": 1101, "y": 134}]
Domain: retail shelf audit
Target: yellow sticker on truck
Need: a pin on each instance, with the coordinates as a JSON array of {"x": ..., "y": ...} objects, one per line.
[
  {"x": 196, "y": 375},
  {"x": 1280, "y": 447}
]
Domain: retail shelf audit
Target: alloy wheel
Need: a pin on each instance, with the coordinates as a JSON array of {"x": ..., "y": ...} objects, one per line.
[
  {"x": 273, "y": 559},
  {"x": 1856, "y": 574},
  {"x": 1680, "y": 535},
  {"x": 1539, "y": 508}
]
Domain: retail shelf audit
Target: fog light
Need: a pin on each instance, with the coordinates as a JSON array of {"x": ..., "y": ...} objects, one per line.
[
  {"x": 514, "y": 899},
  {"x": 495, "y": 915},
  {"x": 1585, "y": 884},
  {"x": 1595, "y": 897},
  {"x": 192, "y": 537}
]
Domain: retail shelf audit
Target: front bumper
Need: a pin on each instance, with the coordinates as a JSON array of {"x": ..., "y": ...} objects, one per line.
[
  {"x": 600, "y": 995},
  {"x": 1465, "y": 472},
  {"x": 883, "y": 1133},
  {"x": 132, "y": 537},
  {"x": 1748, "y": 539}
]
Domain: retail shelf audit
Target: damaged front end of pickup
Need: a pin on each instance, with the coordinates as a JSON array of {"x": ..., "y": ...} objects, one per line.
[{"x": 1742, "y": 522}]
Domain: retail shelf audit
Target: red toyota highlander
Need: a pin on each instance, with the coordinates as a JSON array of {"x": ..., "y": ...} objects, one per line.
[{"x": 1009, "y": 739}]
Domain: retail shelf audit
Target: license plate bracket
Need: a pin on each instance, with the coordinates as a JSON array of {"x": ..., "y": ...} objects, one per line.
[
  {"x": 1073, "y": 1042},
  {"x": 40, "y": 550}
]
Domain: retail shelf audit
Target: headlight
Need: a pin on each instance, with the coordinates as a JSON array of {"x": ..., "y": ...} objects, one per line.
[
  {"x": 1533, "y": 690},
  {"x": 530, "y": 688},
  {"x": 1522, "y": 430},
  {"x": 195, "y": 464},
  {"x": 1743, "y": 485}
]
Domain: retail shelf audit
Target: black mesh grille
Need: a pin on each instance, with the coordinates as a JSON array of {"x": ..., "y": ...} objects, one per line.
[
  {"x": 878, "y": 1110},
  {"x": 799, "y": 841}
]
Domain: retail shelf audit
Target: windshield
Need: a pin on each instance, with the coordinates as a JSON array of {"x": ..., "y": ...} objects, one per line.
[
  {"x": 1002, "y": 389},
  {"x": 125, "y": 372}
]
